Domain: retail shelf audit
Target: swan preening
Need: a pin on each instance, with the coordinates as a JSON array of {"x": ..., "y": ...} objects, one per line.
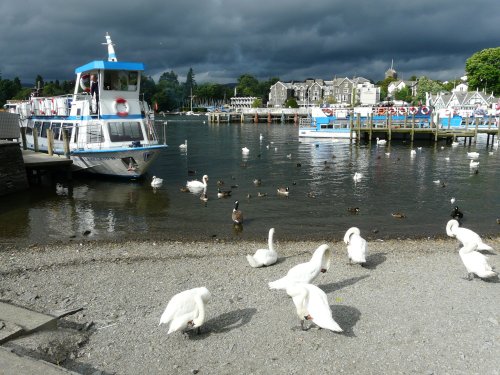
[
  {"x": 264, "y": 257},
  {"x": 197, "y": 186},
  {"x": 312, "y": 304},
  {"x": 465, "y": 236},
  {"x": 306, "y": 272},
  {"x": 475, "y": 262},
  {"x": 356, "y": 246},
  {"x": 186, "y": 310},
  {"x": 156, "y": 182}
]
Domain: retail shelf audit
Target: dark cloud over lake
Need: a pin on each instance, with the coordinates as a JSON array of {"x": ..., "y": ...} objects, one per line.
[{"x": 223, "y": 39}]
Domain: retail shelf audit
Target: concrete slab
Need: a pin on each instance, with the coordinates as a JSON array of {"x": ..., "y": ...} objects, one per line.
[
  {"x": 11, "y": 363},
  {"x": 27, "y": 320}
]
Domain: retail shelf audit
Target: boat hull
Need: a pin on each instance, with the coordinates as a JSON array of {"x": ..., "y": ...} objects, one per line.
[{"x": 326, "y": 133}]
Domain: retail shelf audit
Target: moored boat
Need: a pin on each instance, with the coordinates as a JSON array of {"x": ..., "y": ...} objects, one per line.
[{"x": 109, "y": 133}]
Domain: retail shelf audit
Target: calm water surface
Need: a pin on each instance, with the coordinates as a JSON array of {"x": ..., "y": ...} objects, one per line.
[{"x": 319, "y": 174}]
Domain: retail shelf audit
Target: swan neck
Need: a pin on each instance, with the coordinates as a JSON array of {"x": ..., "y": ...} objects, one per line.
[{"x": 270, "y": 240}]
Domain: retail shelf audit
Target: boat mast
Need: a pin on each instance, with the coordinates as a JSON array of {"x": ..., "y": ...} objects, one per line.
[{"x": 111, "y": 49}]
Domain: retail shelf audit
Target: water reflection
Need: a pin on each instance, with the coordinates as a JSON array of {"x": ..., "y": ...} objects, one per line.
[{"x": 319, "y": 174}]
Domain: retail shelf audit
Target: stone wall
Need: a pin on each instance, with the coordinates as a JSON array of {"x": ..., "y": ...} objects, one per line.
[{"x": 12, "y": 171}]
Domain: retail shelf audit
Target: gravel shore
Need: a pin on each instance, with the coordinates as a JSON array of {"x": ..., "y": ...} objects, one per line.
[{"x": 410, "y": 311}]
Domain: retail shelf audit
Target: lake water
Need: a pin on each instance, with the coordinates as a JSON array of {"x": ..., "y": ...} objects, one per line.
[{"x": 319, "y": 174}]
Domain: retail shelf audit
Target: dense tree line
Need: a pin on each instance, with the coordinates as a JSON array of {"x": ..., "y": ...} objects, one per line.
[{"x": 482, "y": 69}]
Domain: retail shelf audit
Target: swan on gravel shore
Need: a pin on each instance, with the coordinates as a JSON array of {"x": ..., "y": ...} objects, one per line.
[
  {"x": 356, "y": 246},
  {"x": 264, "y": 257},
  {"x": 186, "y": 310}
]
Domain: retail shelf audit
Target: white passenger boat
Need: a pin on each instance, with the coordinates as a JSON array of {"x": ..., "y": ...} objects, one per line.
[
  {"x": 324, "y": 123},
  {"x": 112, "y": 136}
]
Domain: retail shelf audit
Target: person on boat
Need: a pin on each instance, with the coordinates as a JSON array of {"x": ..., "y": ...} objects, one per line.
[{"x": 94, "y": 92}]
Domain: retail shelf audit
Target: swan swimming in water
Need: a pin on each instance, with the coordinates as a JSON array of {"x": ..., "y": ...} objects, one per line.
[
  {"x": 184, "y": 145},
  {"x": 186, "y": 310},
  {"x": 475, "y": 262},
  {"x": 474, "y": 164},
  {"x": 197, "y": 186},
  {"x": 465, "y": 236},
  {"x": 357, "y": 176},
  {"x": 264, "y": 257},
  {"x": 306, "y": 272},
  {"x": 156, "y": 182},
  {"x": 245, "y": 150},
  {"x": 311, "y": 304},
  {"x": 473, "y": 155},
  {"x": 381, "y": 141},
  {"x": 356, "y": 246}
]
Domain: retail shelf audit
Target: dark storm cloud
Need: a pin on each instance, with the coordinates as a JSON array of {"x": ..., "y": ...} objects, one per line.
[{"x": 223, "y": 39}]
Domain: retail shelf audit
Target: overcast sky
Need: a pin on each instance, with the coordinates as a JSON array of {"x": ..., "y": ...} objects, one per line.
[{"x": 223, "y": 39}]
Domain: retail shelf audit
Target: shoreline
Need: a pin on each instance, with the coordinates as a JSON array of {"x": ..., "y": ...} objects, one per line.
[{"x": 409, "y": 311}]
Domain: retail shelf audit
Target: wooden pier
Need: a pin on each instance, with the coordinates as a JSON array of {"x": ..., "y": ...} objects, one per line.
[{"x": 368, "y": 129}]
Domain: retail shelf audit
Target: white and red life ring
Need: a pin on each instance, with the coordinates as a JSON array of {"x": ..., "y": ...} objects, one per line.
[
  {"x": 328, "y": 111},
  {"x": 393, "y": 111},
  {"x": 85, "y": 82},
  {"x": 413, "y": 110},
  {"x": 121, "y": 107},
  {"x": 448, "y": 112},
  {"x": 402, "y": 110},
  {"x": 381, "y": 111},
  {"x": 425, "y": 110}
]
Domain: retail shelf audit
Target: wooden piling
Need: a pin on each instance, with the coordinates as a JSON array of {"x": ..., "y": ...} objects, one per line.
[
  {"x": 50, "y": 142},
  {"x": 65, "y": 142},
  {"x": 23, "y": 138},
  {"x": 35, "y": 140}
]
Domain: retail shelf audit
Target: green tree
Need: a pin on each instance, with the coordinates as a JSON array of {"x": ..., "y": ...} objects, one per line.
[
  {"x": 384, "y": 92},
  {"x": 257, "y": 103},
  {"x": 404, "y": 94},
  {"x": 248, "y": 85},
  {"x": 291, "y": 103},
  {"x": 483, "y": 70},
  {"x": 427, "y": 85}
]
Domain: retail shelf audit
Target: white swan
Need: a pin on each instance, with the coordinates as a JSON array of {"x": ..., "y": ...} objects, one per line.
[
  {"x": 283, "y": 191},
  {"x": 465, "y": 236},
  {"x": 245, "y": 150},
  {"x": 264, "y": 257},
  {"x": 197, "y": 186},
  {"x": 413, "y": 152},
  {"x": 455, "y": 144},
  {"x": 474, "y": 164},
  {"x": 473, "y": 155},
  {"x": 306, "y": 272},
  {"x": 452, "y": 200},
  {"x": 312, "y": 304},
  {"x": 261, "y": 137},
  {"x": 357, "y": 176},
  {"x": 475, "y": 262},
  {"x": 186, "y": 310},
  {"x": 184, "y": 145},
  {"x": 381, "y": 141},
  {"x": 356, "y": 246},
  {"x": 156, "y": 182}
]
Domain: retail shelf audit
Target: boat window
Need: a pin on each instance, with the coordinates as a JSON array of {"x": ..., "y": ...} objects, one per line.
[
  {"x": 45, "y": 126},
  {"x": 125, "y": 131},
  {"x": 56, "y": 129},
  {"x": 120, "y": 80},
  {"x": 74, "y": 134},
  {"x": 38, "y": 126},
  {"x": 94, "y": 134},
  {"x": 29, "y": 128}
]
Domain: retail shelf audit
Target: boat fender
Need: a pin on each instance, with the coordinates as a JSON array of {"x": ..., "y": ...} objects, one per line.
[
  {"x": 393, "y": 111},
  {"x": 121, "y": 107},
  {"x": 402, "y": 110},
  {"x": 425, "y": 110},
  {"x": 85, "y": 82},
  {"x": 413, "y": 110}
]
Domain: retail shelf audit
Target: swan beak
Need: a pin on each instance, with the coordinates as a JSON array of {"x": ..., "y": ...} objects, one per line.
[
  {"x": 323, "y": 270},
  {"x": 308, "y": 317}
]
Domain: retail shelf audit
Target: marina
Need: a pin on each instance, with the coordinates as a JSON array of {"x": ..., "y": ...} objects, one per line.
[{"x": 417, "y": 179}]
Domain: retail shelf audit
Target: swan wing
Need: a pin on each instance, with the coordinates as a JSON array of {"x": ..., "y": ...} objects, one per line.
[
  {"x": 184, "y": 307},
  {"x": 254, "y": 261},
  {"x": 356, "y": 249},
  {"x": 319, "y": 309},
  {"x": 477, "y": 263},
  {"x": 301, "y": 273}
]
